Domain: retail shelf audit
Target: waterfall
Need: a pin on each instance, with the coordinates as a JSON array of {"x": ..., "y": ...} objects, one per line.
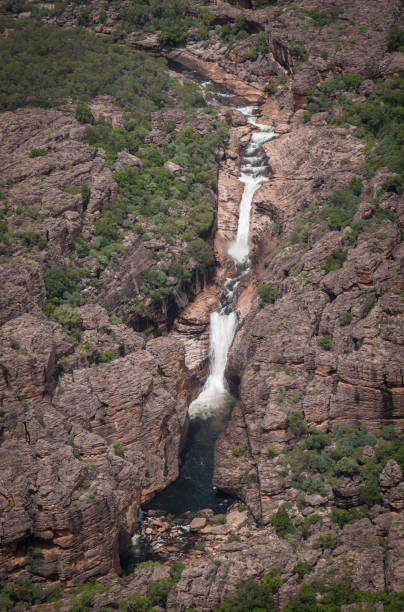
[
  {"x": 215, "y": 398},
  {"x": 209, "y": 413}
]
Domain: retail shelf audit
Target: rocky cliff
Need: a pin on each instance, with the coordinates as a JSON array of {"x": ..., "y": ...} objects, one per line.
[{"x": 94, "y": 410}]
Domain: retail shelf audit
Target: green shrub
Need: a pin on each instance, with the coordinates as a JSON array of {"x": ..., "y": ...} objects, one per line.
[
  {"x": 260, "y": 47},
  {"x": 68, "y": 318},
  {"x": 325, "y": 542},
  {"x": 396, "y": 40},
  {"x": 107, "y": 356},
  {"x": 344, "y": 517},
  {"x": 346, "y": 318},
  {"x": 238, "y": 451},
  {"x": 32, "y": 556},
  {"x": 368, "y": 306},
  {"x": 84, "y": 17},
  {"x": 38, "y": 153},
  {"x": 119, "y": 449},
  {"x": 103, "y": 17},
  {"x": 334, "y": 261},
  {"x": 394, "y": 184},
  {"x": 268, "y": 293},
  {"x": 346, "y": 467},
  {"x": 158, "y": 591},
  {"x": 388, "y": 432},
  {"x": 233, "y": 538},
  {"x": 201, "y": 252},
  {"x": 20, "y": 595},
  {"x": 173, "y": 36},
  {"x": 136, "y": 603},
  {"x": 369, "y": 495},
  {"x": 296, "y": 423},
  {"x": 32, "y": 239},
  {"x": 302, "y": 568},
  {"x": 325, "y": 342},
  {"x": 83, "y": 113},
  {"x": 352, "y": 82},
  {"x": 271, "y": 452},
  {"x": 317, "y": 440},
  {"x": 59, "y": 281},
  {"x": 282, "y": 522}
]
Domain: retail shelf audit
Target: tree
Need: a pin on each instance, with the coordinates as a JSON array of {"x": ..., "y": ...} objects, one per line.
[
  {"x": 173, "y": 36},
  {"x": 83, "y": 113}
]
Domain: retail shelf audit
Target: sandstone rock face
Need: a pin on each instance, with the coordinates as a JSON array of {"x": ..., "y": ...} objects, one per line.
[
  {"x": 22, "y": 289},
  {"x": 213, "y": 72},
  {"x": 45, "y": 190},
  {"x": 78, "y": 504}
]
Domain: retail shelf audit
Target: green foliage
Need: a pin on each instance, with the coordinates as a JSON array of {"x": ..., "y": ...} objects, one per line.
[
  {"x": 83, "y": 113},
  {"x": 260, "y": 46},
  {"x": 33, "y": 53},
  {"x": 107, "y": 356},
  {"x": 346, "y": 467},
  {"x": 233, "y": 538},
  {"x": 32, "y": 556},
  {"x": 271, "y": 452},
  {"x": 317, "y": 440},
  {"x": 76, "y": 451},
  {"x": 38, "y": 153},
  {"x": 368, "y": 306},
  {"x": 299, "y": 49},
  {"x": 297, "y": 423},
  {"x": 59, "y": 281},
  {"x": 83, "y": 596},
  {"x": 396, "y": 40},
  {"x": 321, "y": 18},
  {"x": 136, "y": 603},
  {"x": 158, "y": 591},
  {"x": 325, "y": 342},
  {"x": 334, "y": 261},
  {"x": 319, "y": 596},
  {"x": 394, "y": 184},
  {"x": 345, "y": 318},
  {"x": 343, "y": 517},
  {"x": 388, "y": 432},
  {"x": 340, "y": 208},
  {"x": 268, "y": 293},
  {"x": 32, "y": 239},
  {"x": 152, "y": 15},
  {"x": 325, "y": 542},
  {"x": 238, "y": 451},
  {"x": 19, "y": 595},
  {"x": 254, "y": 596},
  {"x": 301, "y": 569},
  {"x": 201, "y": 252},
  {"x": 369, "y": 495},
  {"x": 119, "y": 449},
  {"x": 282, "y": 522},
  {"x": 176, "y": 209},
  {"x": 84, "y": 17},
  {"x": 68, "y": 318},
  {"x": 380, "y": 120},
  {"x": 174, "y": 36}
]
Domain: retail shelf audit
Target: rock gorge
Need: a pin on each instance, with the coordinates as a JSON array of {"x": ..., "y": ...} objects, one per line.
[{"x": 92, "y": 428}]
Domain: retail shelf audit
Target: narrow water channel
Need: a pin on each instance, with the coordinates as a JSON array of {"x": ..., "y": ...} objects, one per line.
[{"x": 209, "y": 413}]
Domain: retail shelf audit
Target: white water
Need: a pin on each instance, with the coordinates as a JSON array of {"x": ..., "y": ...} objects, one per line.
[{"x": 215, "y": 398}]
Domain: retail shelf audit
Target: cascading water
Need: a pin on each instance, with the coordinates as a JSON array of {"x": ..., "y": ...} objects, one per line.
[{"x": 209, "y": 413}]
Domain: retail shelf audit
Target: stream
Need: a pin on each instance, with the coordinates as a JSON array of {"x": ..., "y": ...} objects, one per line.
[{"x": 210, "y": 411}]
